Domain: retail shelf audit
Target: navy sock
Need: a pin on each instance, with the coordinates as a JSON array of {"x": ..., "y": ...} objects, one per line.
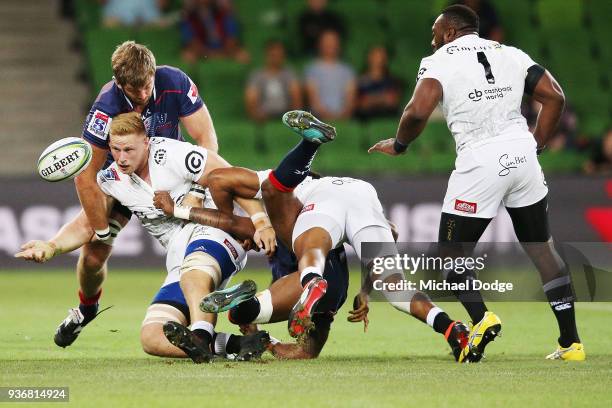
[
  {"x": 88, "y": 311},
  {"x": 308, "y": 277},
  {"x": 294, "y": 167},
  {"x": 245, "y": 312}
]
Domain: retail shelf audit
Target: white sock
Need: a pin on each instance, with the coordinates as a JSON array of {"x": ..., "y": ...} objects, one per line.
[
  {"x": 265, "y": 307},
  {"x": 310, "y": 269},
  {"x": 221, "y": 343},
  {"x": 202, "y": 325},
  {"x": 431, "y": 315}
]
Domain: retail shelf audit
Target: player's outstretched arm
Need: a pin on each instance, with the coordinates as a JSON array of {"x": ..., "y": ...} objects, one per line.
[
  {"x": 226, "y": 184},
  {"x": 427, "y": 94},
  {"x": 548, "y": 92},
  {"x": 71, "y": 236}
]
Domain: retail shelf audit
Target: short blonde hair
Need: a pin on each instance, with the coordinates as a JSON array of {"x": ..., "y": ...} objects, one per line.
[
  {"x": 133, "y": 64},
  {"x": 127, "y": 124}
]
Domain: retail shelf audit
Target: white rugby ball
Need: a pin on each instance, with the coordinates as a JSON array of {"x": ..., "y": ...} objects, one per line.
[{"x": 64, "y": 159}]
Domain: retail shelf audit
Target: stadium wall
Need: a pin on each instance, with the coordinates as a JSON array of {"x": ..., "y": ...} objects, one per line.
[{"x": 580, "y": 210}]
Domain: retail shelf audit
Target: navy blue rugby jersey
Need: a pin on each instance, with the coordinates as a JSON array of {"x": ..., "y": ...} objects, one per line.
[{"x": 174, "y": 96}]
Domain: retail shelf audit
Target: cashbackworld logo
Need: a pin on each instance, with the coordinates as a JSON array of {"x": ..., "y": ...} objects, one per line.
[{"x": 475, "y": 95}]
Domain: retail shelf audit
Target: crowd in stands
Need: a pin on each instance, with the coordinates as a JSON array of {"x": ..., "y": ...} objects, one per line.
[{"x": 321, "y": 79}]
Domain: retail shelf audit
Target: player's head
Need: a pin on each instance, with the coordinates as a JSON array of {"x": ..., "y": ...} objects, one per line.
[
  {"x": 452, "y": 23},
  {"x": 134, "y": 71},
  {"x": 128, "y": 142}
]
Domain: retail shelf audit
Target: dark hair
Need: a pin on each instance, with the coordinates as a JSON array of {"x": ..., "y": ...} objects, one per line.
[{"x": 461, "y": 17}]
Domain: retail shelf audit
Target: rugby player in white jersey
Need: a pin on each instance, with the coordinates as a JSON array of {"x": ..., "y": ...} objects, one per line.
[
  {"x": 201, "y": 258},
  {"x": 479, "y": 85},
  {"x": 313, "y": 217}
]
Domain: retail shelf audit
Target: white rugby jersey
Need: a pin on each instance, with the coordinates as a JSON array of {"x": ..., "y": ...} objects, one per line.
[
  {"x": 173, "y": 167},
  {"x": 483, "y": 83}
]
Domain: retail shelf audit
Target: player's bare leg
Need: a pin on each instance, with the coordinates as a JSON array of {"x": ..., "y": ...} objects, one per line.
[
  {"x": 152, "y": 337},
  {"x": 195, "y": 284},
  {"x": 91, "y": 272}
]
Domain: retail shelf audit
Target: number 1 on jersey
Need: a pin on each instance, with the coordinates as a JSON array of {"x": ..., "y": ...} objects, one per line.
[{"x": 482, "y": 59}]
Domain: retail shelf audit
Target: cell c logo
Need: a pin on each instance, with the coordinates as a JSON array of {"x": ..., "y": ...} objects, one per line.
[{"x": 194, "y": 162}]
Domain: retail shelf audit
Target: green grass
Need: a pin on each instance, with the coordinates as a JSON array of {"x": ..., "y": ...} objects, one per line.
[{"x": 398, "y": 362}]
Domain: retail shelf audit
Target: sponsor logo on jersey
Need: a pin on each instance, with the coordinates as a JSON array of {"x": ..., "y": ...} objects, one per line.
[
  {"x": 466, "y": 206},
  {"x": 194, "y": 162},
  {"x": 110, "y": 174},
  {"x": 475, "y": 95},
  {"x": 193, "y": 92},
  {"x": 454, "y": 49},
  {"x": 231, "y": 248},
  {"x": 421, "y": 72},
  {"x": 99, "y": 124},
  {"x": 160, "y": 157},
  {"x": 489, "y": 94},
  {"x": 307, "y": 208}
]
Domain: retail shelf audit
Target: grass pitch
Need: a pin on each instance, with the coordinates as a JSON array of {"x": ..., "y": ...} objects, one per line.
[{"x": 398, "y": 362}]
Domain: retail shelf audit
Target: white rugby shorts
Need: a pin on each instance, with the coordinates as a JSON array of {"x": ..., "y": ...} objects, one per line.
[
  {"x": 340, "y": 205},
  {"x": 502, "y": 171}
]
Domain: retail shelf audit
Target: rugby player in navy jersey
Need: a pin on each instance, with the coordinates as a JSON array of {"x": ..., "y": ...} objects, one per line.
[{"x": 165, "y": 97}]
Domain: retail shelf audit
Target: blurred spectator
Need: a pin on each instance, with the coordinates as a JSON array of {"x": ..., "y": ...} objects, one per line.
[
  {"x": 600, "y": 161},
  {"x": 378, "y": 92},
  {"x": 132, "y": 12},
  {"x": 490, "y": 26},
  {"x": 273, "y": 89},
  {"x": 316, "y": 19},
  {"x": 330, "y": 83},
  {"x": 209, "y": 29},
  {"x": 566, "y": 136}
]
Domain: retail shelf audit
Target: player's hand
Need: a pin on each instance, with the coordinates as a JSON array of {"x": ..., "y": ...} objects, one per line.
[
  {"x": 360, "y": 310},
  {"x": 265, "y": 238},
  {"x": 37, "y": 251},
  {"x": 384, "y": 146},
  {"x": 163, "y": 201},
  {"x": 248, "y": 244}
]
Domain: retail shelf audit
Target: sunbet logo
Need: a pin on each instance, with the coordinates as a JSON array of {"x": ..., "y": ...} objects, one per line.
[{"x": 465, "y": 206}]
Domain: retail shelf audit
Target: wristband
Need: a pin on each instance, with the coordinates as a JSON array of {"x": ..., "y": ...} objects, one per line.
[
  {"x": 399, "y": 147},
  {"x": 258, "y": 216},
  {"x": 181, "y": 211},
  {"x": 103, "y": 234}
]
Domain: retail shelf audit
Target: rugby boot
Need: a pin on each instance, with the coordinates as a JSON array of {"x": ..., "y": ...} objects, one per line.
[
  {"x": 310, "y": 128},
  {"x": 252, "y": 346},
  {"x": 457, "y": 335},
  {"x": 484, "y": 332},
  {"x": 69, "y": 329},
  {"x": 575, "y": 352},
  {"x": 300, "y": 317},
  {"x": 223, "y": 300},
  {"x": 195, "y": 347}
]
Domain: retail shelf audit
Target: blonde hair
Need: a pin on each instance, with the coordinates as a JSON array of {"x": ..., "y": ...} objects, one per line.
[
  {"x": 127, "y": 124},
  {"x": 133, "y": 64}
]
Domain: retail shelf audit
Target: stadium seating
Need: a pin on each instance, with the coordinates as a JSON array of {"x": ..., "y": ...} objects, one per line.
[{"x": 571, "y": 40}]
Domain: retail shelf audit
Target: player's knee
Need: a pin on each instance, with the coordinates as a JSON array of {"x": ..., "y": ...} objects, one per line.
[
  {"x": 93, "y": 257},
  {"x": 150, "y": 339},
  {"x": 268, "y": 191}
]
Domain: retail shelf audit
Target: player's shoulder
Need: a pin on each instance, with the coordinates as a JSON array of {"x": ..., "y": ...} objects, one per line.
[
  {"x": 167, "y": 75},
  {"x": 109, "y": 99}
]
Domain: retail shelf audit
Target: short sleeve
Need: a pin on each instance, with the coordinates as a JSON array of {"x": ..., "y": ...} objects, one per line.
[
  {"x": 97, "y": 126},
  {"x": 430, "y": 69},
  {"x": 525, "y": 62},
  {"x": 190, "y": 100},
  {"x": 188, "y": 160}
]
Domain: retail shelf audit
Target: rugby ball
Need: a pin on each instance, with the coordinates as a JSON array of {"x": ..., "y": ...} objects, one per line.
[{"x": 64, "y": 159}]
